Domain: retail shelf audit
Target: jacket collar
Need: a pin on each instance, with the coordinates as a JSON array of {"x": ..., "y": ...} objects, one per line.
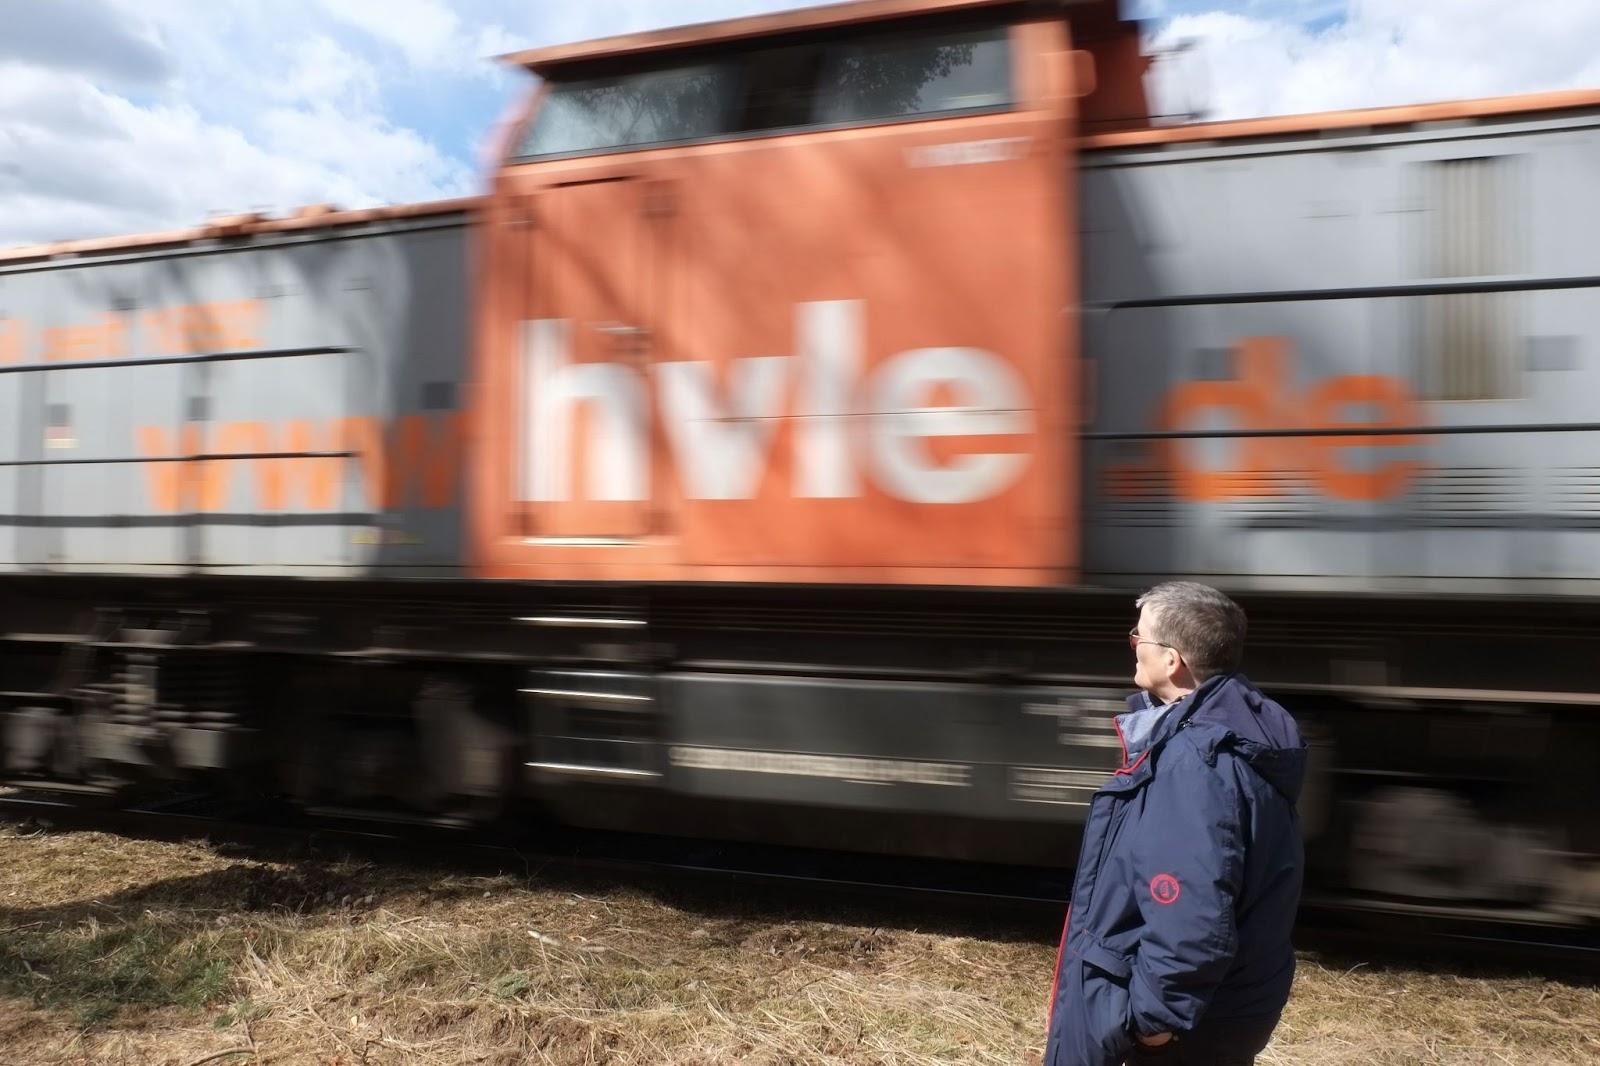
[
  {"x": 1225, "y": 711},
  {"x": 1149, "y": 724}
]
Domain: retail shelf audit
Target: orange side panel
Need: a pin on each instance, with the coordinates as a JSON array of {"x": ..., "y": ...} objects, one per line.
[{"x": 835, "y": 356}]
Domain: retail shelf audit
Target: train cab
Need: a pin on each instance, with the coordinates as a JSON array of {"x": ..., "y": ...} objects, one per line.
[{"x": 789, "y": 298}]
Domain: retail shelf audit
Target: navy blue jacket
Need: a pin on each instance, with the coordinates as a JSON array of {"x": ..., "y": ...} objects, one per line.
[{"x": 1189, "y": 877}]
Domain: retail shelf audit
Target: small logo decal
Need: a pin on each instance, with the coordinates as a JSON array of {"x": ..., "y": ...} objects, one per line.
[{"x": 1164, "y": 889}]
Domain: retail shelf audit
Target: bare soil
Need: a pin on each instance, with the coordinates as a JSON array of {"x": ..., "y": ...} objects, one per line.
[{"x": 133, "y": 952}]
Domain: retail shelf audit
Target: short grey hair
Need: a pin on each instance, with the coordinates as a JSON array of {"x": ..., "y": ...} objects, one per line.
[{"x": 1206, "y": 627}]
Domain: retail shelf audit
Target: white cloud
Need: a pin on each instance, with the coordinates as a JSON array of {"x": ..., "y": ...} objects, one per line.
[
  {"x": 125, "y": 115},
  {"x": 1300, "y": 11},
  {"x": 605, "y": 18},
  {"x": 424, "y": 30},
  {"x": 94, "y": 37},
  {"x": 1383, "y": 52},
  {"x": 431, "y": 35},
  {"x": 496, "y": 40},
  {"x": 324, "y": 72},
  {"x": 364, "y": 154},
  {"x": 254, "y": 110},
  {"x": 117, "y": 166},
  {"x": 130, "y": 115}
]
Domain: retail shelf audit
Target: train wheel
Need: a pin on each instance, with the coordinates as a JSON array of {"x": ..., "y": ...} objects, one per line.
[
  {"x": 466, "y": 751},
  {"x": 306, "y": 740},
  {"x": 1432, "y": 844}
]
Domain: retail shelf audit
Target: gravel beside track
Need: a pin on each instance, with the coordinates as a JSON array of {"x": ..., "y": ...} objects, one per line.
[{"x": 120, "y": 950}]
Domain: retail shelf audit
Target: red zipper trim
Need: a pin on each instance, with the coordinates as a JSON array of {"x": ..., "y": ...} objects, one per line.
[{"x": 1055, "y": 980}]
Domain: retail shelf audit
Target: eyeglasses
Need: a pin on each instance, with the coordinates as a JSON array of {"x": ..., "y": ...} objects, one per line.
[{"x": 1134, "y": 640}]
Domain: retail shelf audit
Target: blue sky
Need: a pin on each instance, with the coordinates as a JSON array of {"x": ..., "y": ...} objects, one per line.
[
  {"x": 1313, "y": 14},
  {"x": 132, "y": 115}
]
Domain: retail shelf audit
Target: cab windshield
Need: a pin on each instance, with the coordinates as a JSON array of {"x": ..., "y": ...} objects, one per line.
[{"x": 885, "y": 77}]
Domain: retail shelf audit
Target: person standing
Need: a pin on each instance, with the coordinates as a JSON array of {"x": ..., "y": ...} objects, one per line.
[{"x": 1177, "y": 946}]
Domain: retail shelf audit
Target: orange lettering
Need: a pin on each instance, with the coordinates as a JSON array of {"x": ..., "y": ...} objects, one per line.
[
  {"x": 280, "y": 482},
  {"x": 151, "y": 326},
  {"x": 245, "y": 319},
  {"x": 414, "y": 460},
  {"x": 182, "y": 485},
  {"x": 1261, "y": 398},
  {"x": 106, "y": 339},
  {"x": 190, "y": 329},
  {"x": 116, "y": 336},
  {"x": 1251, "y": 400},
  {"x": 166, "y": 488},
  {"x": 202, "y": 329},
  {"x": 392, "y": 462},
  {"x": 11, "y": 333},
  {"x": 436, "y": 455},
  {"x": 1324, "y": 406},
  {"x": 61, "y": 344}
]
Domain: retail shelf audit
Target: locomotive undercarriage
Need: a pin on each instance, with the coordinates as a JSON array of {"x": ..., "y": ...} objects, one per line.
[{"x": 946, "y": 724}]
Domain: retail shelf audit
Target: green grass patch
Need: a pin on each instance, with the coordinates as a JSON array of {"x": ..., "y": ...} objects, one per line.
[
  {"x": 96, "y": 970},
  {"x": 241, "y": 1013}
]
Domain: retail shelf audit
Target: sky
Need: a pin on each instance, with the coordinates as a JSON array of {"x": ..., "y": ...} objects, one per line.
[{"x": 122, "y": 116}]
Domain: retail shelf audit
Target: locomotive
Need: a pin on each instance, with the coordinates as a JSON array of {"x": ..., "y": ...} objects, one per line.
[{"x": 774, "y": 451}]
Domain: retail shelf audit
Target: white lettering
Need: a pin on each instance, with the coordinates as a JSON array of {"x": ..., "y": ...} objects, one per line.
[
  {"x": 995, "y": 405},
  {"x": 722, "y": 444},
  {"x": 1065, "y": 788},
  {"x": 829, "y": 334},
  {"x": 968, "y": 153},
  {"x": 841, "y": 767},
  {"x": 722, "y": 452},
  {"x": 619, "y": 460}
]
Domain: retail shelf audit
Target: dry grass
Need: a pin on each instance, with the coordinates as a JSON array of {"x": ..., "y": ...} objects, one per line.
[
  {"x": 118, "y": 951},
  {"x": 1349, "y": 1014}
]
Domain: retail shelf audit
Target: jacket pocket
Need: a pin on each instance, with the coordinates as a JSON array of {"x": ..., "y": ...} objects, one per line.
[
  {"x": 1106, "y": 1002},
  {"x": 1114, "y": 963}
]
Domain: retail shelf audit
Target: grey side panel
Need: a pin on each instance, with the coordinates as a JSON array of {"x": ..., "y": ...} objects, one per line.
[
  {"x": 383, "y": 308},
  {"x": 97, "y": 514},
  {"x": 1026, "y": 754},
  {"x": 1459, "y": 265},
  {"x": 15, "y": 436}
]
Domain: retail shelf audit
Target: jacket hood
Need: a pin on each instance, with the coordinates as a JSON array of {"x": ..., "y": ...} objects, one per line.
[{"x": 1227, "y": 711}]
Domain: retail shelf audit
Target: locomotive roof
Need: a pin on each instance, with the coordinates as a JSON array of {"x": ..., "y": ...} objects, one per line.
[
  {"x": 311, "y": 217},
  {"x": 1353, "y": 121},
  {"x": 544, "y": 61}
]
